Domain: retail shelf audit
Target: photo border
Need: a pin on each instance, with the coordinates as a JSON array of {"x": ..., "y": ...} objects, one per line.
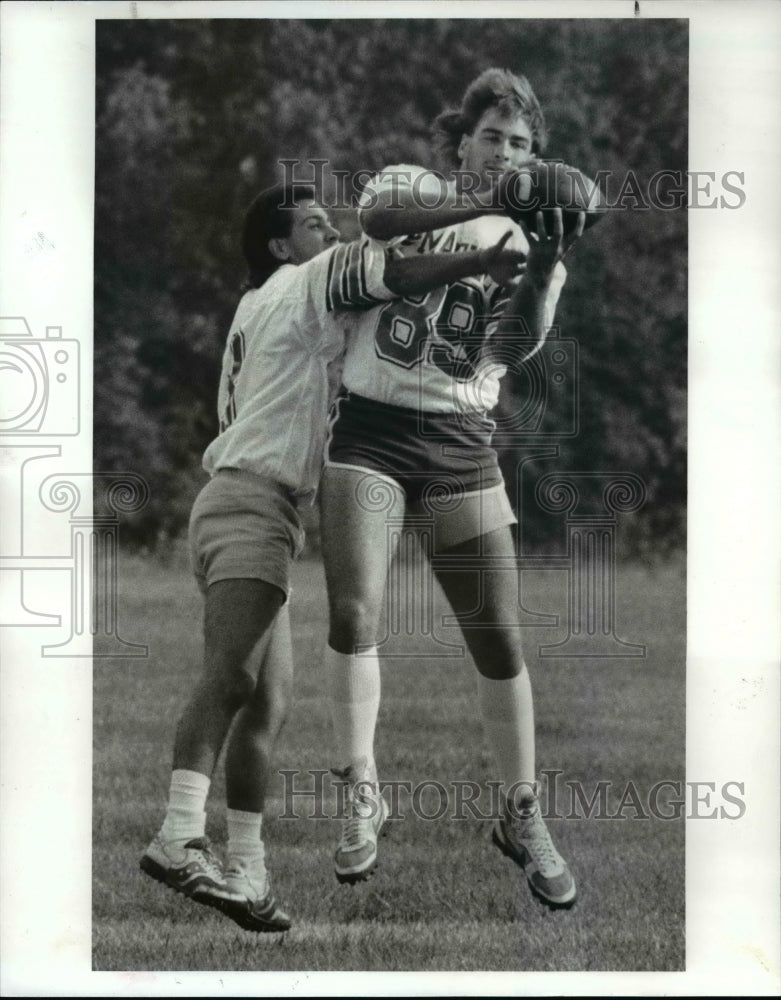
[{"x": 46, "y": 183}]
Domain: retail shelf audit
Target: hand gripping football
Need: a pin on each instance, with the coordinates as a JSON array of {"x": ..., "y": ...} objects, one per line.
[{"x": 542, "y": 185}]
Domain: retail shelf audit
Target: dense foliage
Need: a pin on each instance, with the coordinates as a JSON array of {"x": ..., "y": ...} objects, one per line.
[{"x": 192, "y": 116}]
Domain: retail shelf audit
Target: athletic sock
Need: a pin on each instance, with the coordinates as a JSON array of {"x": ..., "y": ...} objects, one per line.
[
  {"x": 186, "y": 815},
  {"x": 245, "y": 846},
  {"x": 354, "y": 698},
  {"x": 508, "y": 716}
]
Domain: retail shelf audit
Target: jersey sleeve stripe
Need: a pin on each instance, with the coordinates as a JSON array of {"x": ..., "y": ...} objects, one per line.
[
  {"x": 362, "y": 274},
  {"x": 358, "y": 274},
  {"x": 346, "y": 282},
  {"x": 350, "y": 282},
  {"x": 337, "y": 284},
  {"x": 329, "y": 302}
]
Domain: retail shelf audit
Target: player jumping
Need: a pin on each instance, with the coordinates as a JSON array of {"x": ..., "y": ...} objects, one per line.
[{"x": 420, "y": 379}]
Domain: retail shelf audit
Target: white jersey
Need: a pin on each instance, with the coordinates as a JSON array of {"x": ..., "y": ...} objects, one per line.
[
  {"x": 273, "y": 396},
  {"x": 429, "y": 352}
]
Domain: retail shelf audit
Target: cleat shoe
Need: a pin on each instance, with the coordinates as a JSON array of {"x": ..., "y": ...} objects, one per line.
[
  {"x": 356, "y": 855},
  {"x": 258, "y": 910},
  {"x": 525, "y": 839},
  {"x": 189, "y": 867}
]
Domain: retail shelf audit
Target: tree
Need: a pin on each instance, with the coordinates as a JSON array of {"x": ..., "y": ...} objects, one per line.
[{"x": 192, "y": 117}]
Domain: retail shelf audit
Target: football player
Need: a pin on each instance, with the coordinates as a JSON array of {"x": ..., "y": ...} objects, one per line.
[
  {"x": 413, "y": 426},
  {"x": 245, "y": 528}
]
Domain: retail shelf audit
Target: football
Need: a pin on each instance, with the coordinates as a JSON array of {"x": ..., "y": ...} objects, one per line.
[{"x": 542, "y": 185}]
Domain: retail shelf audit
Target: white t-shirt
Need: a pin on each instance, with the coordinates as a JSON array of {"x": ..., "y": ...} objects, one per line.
[
  {"x": 428, "y": 353},
  {"x": 274, "y": 392}
]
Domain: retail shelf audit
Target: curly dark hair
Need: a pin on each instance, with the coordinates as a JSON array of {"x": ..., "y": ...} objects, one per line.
[
  {"x": 495, "y": 88},
  {"x": 269, "y": 217}
]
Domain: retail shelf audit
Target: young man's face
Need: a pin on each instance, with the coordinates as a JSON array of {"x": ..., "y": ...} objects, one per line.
[
  {"x": 311, "y": 233},
  {"x": 499, "y": 142}
]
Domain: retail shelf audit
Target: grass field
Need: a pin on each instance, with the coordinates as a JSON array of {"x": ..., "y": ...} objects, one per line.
[{"x": 443, "y": 897}]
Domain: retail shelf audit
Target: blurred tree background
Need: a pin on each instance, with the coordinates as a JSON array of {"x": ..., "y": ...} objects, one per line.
[{"x": 191, "y": 119}]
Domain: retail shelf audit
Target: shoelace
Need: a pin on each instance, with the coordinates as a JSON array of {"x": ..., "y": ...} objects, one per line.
[
  {"x": 210, "y": 863},
  {"x": 356, "y": 831},
  {"x": 259, "y": 883},
  {"x": 256, "y": 873},
  {"x": 536, "y": 839}
]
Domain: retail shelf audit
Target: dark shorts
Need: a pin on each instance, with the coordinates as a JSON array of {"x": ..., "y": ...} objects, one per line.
[
  {"x": 244, "y": 527},
  {"x": 427, "y": 454},
  {"x": 445, "y": 467}
]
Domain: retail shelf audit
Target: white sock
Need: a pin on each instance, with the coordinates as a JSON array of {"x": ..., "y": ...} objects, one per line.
[
  {"x": 354, "y": 698},
  {"x": 508, "y": 716},
  {"x": 245, "y": 846},
  {"x": 186, "y": 815}
]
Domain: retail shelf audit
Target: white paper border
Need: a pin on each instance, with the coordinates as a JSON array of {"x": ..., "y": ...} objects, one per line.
[{"x": 46, "y": 186}]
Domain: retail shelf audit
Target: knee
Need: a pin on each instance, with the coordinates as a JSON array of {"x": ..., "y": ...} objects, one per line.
[
  {"x": 500, "y": 671},
  {"x": 499, "y": 660},
  {"x": 233, "y": 687},
  {"x": 353, "y": 622},
  {"x": 270, "y": 705}
]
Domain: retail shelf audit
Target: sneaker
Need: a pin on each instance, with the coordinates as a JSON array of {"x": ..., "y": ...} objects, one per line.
[
  {"x": 367, "y": 811},
  {"x": 258, "y": 911},
  {"x": 190, "y": 868},
  {"x": 525, "y": 839}
]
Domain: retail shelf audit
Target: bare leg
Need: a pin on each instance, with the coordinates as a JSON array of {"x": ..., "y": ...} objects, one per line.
[
  {"x": 487, "y": 611},
  {"x": 237, "y": 622},
  {"x": 251, "y": 743},
  {"x": 486, "y": 606},
  {"x": 247, "y": 770},
  {"x": 358, "y": 549},
  {"x": 356, "y": 510},
  {"x": 485, "y": 603}
]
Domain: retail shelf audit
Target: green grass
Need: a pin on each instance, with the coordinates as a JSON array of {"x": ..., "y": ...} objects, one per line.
[{"x": 443, "y": 897}]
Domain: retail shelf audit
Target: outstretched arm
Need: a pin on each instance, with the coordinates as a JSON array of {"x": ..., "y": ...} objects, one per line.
[
  {"x": 422, "y": 273},
  {"x": 362, "y": 274}
]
